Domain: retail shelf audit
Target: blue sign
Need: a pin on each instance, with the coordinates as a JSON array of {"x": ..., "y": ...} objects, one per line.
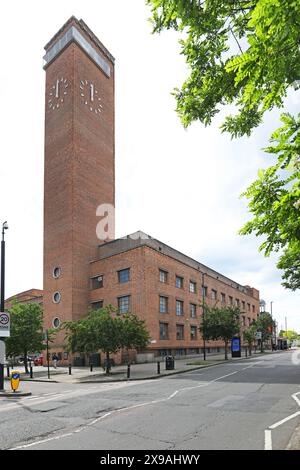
[{"x": 235, "y": 344}]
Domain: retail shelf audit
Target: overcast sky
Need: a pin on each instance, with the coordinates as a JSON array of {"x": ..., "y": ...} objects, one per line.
[{"x": 180, "y": 186}]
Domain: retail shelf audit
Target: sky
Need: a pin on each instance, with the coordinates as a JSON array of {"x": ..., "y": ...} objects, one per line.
[{"x": 181, "y": 186}]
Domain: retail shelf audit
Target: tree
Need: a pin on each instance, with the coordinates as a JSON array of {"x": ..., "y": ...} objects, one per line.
[
  {"x": 265, "y": 324},
  {"x": 220, "y": 323},
  {"x": 107, "y": 331},
  {"x": 246, "y": 53},
  {"x": 134, "y": 334},
  {"x": 275, "y": 202},
  {"x": 249, "y": 336},
  {"x": 26, "y": 333}
]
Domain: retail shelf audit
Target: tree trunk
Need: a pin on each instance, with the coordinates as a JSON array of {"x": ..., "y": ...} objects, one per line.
[
  {"x": 107, "y": 369},
  {"x": 250, "y": 349},
  {"x": 226, "y": 352},
  {"x": 26, "y": 363}
]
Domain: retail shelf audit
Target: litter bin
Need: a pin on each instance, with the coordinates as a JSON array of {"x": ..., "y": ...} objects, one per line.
[{"x": 170, "y": 363}]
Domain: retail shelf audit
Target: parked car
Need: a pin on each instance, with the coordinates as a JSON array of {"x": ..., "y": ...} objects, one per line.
[
  {"x": 21, "y": 359},
  {"x": 38, "y": 360}
]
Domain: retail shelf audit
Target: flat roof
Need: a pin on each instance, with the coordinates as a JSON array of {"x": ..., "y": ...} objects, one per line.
[{"x": 139, "y": 238}]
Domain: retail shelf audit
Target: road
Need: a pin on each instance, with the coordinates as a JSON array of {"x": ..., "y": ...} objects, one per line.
[{"x": 247, "y": 404}]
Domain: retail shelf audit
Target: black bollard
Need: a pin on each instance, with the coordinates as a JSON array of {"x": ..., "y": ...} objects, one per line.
[
  {"x": 158, "y": 367},
  {"x": 128, "y": 371},
  {"x": 31, "y": 372},
  {"x": 7, "y": 370},
  {"x": 91, "y": 367},
  {"x": 70, "y": 369}
]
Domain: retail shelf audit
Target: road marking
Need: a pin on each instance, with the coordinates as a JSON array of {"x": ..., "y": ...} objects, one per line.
[
  {"x": 268, "y": 443},
  {"x": 279, "y": 423},
  {"x": 268, "y": 439},
  {"x": 121, "y": 410}
]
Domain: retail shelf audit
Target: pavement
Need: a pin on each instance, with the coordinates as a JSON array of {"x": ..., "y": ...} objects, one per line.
[{"x": 119, "y": 373}]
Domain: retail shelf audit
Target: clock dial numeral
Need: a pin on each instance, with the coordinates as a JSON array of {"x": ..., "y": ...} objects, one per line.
[
  {"x": 57, "y": 93},
  {"x": 90, "y": 96}
]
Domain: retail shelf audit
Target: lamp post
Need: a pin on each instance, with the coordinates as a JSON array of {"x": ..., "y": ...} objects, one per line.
[
  {"x": 203, "y": 317},
  {"x": 2, "y": 295}
]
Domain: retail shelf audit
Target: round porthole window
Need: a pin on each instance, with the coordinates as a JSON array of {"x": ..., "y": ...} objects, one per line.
[
  {"x": 56, "y": 322},
  {"x": 56, "y": 272},
  {"x": 56, "y": 297}
]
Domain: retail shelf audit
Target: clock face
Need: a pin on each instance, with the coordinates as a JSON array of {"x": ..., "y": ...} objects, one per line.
[
  {"x": 58, "y": 92},
  {"x": 91, "y": 96}
]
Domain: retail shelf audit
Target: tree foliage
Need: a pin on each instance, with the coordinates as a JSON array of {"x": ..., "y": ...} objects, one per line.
[
  {"x": 249, "y": 335},
  {"x": 265, "y": 324},
  {"x": 26, "y": 332},
  {"x": 246, "y": 53},
  {"x": 275, "y": 202},
  {"x": 220, "y": 324},
  {"x": 242, "y": 52},
  {"x": 107, "y": 331}
]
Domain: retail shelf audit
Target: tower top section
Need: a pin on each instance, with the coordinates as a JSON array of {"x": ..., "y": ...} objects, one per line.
[{"x": 77, "y": 31}]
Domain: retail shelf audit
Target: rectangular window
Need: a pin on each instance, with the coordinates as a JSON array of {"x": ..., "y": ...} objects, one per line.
[
  {"x": 163, "y": 276},
  {"x": 193, "y": 310},
  {"x": 243, "y": 305},
  {"x": 193, "y": 287},
  {"x": 124, "y": 275},
  {"x": 223, "y": 298},
  {"x": 249, "y": 321},
  {"x": 97, "y": 282},
  {"x": 179, "y": 282},
  {"x": 179, "y": 332},
  {"x": 163, "y": 304},
  {"x": 179, "y": 308},
  {"x": 204, "y": 291},
  {"x": 97, "y": 305},
  {"x": 214, "y": 294},
  {"x": 248, "y": 307},
  {"x": 237, "y": 302},
  {"x": 230, "y": 300},
  {"x": 124, "y": 304},
  {"x": 253, "y": 308},
  {"x": 163, "y": 331},
  {"x": 193, "y": 332},
  {"x": 244, "y": 320}
]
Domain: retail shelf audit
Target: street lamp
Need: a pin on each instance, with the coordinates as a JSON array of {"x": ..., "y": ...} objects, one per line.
[
  {"x": 203, "y": 316},
  {"x": 4, "y": 227}
]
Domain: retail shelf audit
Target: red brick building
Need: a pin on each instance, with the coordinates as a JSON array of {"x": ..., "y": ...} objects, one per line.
[{"x": 84, "y": 267}]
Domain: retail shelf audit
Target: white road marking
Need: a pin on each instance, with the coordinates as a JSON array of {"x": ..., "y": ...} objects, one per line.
[
  {"x": 114, "y": 412},
  {"x": 282, "y": 421},
  {"x": 268, "y": 439}
]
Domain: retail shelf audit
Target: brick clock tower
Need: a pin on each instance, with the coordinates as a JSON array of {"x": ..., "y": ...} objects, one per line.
[{"x": 79, "y": 166}]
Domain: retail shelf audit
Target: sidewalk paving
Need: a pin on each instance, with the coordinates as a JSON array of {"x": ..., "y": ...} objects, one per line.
[{"x": 119, "y": 373}]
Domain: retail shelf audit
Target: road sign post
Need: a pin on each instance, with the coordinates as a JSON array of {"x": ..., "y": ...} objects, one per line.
[{"x": 4, "y": 333}]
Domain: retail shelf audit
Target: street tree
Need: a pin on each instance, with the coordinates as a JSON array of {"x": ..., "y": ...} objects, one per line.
[
  {"x": 246, "y": 53},
  {"x": 265, "y": 324},
  {"x": 135, "y": 334},
  {"x": 26, "y": 333},
  {"x": 249, "y": 336},
  {"x": 105, "y": 330},
  {"x": 220, "y": 323}
]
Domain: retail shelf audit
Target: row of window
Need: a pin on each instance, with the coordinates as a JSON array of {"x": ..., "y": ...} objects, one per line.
[
  {"x": 164, "y": 307},
  {"x": 124, "y": 304},
  {"x": 164, "y": 331},
  {"x": 123, "y": 276}
]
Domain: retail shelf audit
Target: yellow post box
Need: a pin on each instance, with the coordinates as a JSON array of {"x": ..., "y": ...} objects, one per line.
[{"x": 15, "y": 380}]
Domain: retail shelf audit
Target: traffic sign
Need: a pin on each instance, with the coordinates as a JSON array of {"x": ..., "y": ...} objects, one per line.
[
  {"x": 4, "y": 324},
  {"x": 258, "y": 335}
]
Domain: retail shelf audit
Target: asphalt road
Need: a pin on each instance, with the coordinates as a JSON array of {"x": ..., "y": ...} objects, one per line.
[{"x": 249, "y": 404}]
